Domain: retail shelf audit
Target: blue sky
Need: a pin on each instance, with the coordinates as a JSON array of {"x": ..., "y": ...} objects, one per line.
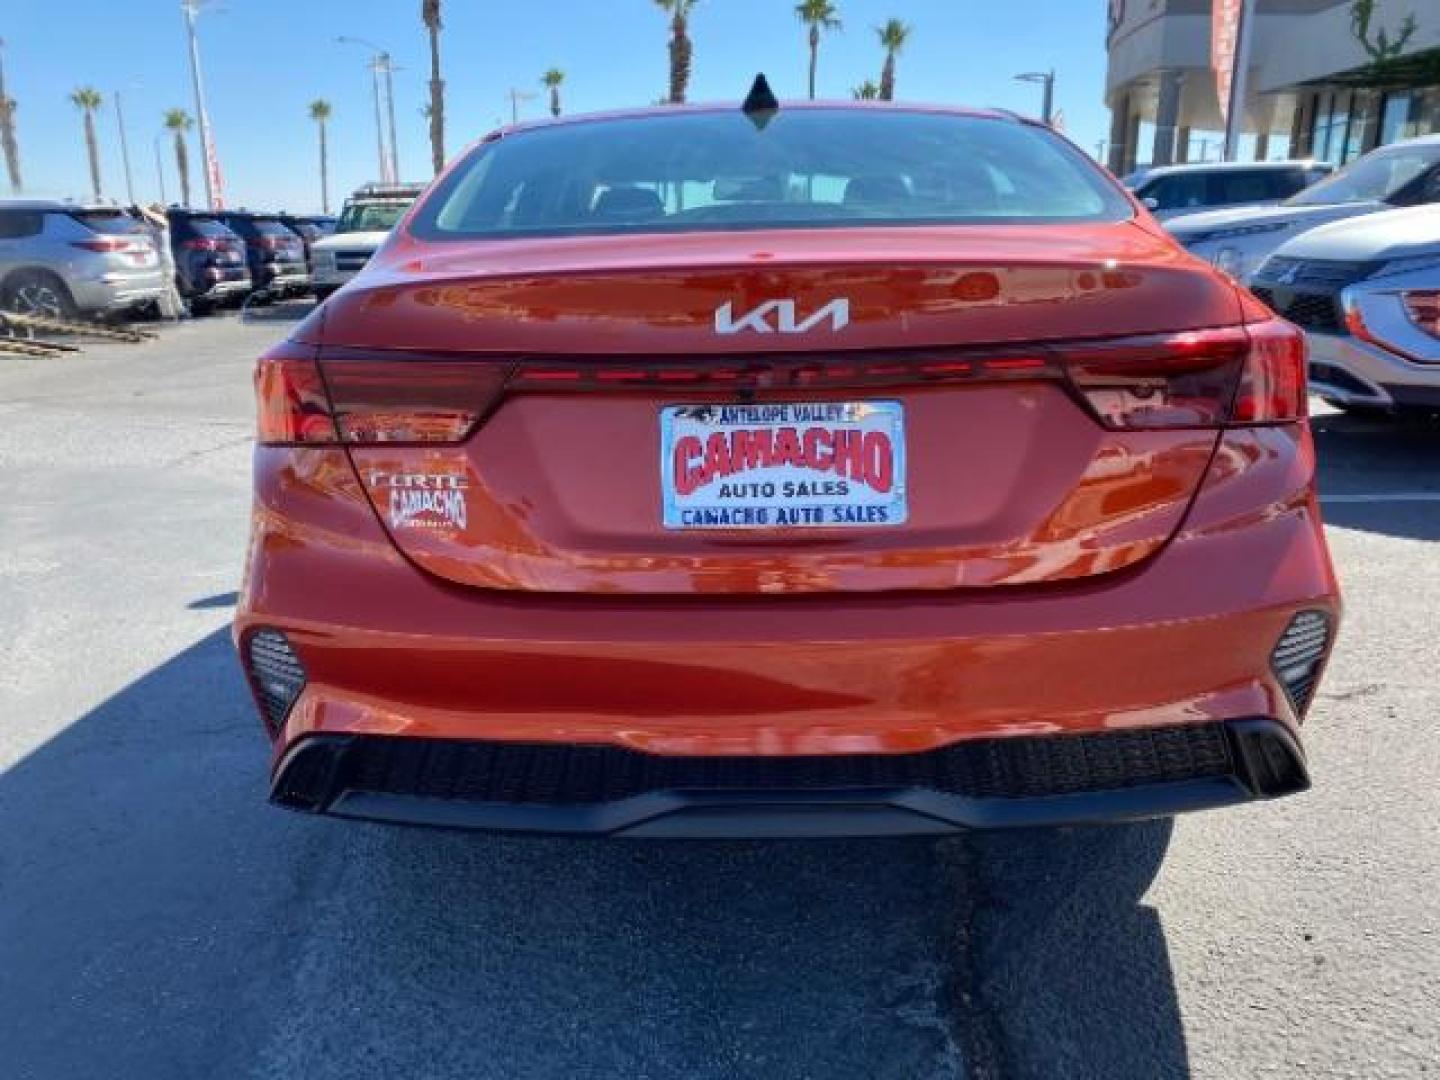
[{"x": 266, "y": 59}]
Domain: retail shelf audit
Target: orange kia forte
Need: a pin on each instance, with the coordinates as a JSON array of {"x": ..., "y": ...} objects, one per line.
[{"x": 783, "y": 471}]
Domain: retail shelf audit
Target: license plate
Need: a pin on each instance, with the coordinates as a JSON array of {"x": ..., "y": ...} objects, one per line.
[{"x": 832, "y": 464}]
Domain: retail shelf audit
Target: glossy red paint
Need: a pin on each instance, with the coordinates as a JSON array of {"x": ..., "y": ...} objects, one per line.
[{"x": 1054, "y": 576}]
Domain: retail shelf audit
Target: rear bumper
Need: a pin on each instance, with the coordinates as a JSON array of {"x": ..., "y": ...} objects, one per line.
[
  {"x": 128, "y": 292},
  {"x": 608, "y": 791},
  {"x": 1348, "y": 371},
  {"x": 1183, "y": 640}
]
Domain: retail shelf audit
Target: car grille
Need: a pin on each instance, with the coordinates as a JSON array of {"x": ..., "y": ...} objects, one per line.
[
  {"x": 1307, "y": 291},
  {"x": 1313, "y": 311},
  {"x": 570, "y": 774}
]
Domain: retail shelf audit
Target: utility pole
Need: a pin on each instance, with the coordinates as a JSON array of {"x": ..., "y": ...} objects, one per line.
[
  {"x": 1047, "y": 79},
  {"x": 124, "y": 149},
  {"x": 160, "y": 169},
  {"x": 379, "y": 123},
  {"x": 214, "y": 196}
]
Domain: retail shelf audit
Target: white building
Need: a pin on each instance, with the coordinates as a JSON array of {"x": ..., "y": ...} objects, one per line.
[{"x": 1317, "y": 86}]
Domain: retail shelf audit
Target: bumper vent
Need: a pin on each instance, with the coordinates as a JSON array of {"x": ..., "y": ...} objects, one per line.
[
  {"x": 1299, "y": 655},
  {"x": 320, "y": 769},
  {"x": 276, "y": 673}
]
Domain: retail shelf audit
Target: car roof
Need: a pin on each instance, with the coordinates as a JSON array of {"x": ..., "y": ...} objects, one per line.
[
  {"x": 1230, "y": 166},
  {"x": 785, "y": 106},
  {"x": 60, "y": 205}
]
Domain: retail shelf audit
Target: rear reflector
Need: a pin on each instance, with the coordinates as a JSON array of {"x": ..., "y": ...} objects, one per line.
[
  {"x": 1298, "y": 656},
  {"x": 1196, "y": 379},
  {"x": 275, "y": 673}
]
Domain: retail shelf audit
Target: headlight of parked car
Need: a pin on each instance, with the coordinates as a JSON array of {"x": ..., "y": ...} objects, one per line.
[
  {"x": 1231, "y": 260},
  {"x": 1408, "y": 265}
]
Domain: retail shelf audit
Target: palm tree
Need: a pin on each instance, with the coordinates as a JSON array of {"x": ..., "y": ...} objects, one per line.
[
  {"x": 681, "y": 48},
  {"x": 818, "y": 15},
  {"x": 893, "y": 36},
  {"x": 179, "y": 122},
  {"x": 87, "y": 99},
  {"x": 866, "y": 91},
  {"x": 430, "y": 13},
  {"x": 9, "y": 145},
  {"x": 552, "y": 80},
  {"x": 320, "y": 113}
]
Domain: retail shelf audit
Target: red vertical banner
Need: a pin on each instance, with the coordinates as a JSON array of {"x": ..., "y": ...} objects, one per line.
[
  {"x": 1224, "y": 39},
  {"x": 217, "y": 186}
]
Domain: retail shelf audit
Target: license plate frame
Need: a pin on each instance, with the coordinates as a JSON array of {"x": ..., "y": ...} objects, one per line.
[{"x": 852, "y": 474}]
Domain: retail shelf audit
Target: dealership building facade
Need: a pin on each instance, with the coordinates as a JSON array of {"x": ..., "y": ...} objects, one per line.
[{"x": 1329, "y": 79}]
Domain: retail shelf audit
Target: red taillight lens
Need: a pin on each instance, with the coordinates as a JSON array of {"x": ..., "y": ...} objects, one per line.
[
  {"x": 109, "y": 244},
  {"x": 1166, "y": 381},
  {"x": 201, "y": 244},
  {"x": 1201, "y": 378},
  {"x": 1272, "y": 386},
  {"x": 410, "y": 400},
  {"x": 290, "y": 397},
  {"x": 1423, "y": 308}
]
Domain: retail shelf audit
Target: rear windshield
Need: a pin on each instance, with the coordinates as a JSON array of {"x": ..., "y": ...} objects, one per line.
[
  {"x": 371, "y": 217},
  {"x": 209, "y": 227},
  {"x": 272, "y": 227},
  {"x": 114, "y": 222},
  {"x": 810, "y": 168}
]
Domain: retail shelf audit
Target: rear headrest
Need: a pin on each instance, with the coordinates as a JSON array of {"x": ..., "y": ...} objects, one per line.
[
  {"x": 876, "y": 189},
  {"x": 631, "y": 202}
]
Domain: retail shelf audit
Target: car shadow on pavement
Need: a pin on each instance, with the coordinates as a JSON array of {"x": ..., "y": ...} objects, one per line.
[
  {"x": 158, "y": 920},
  {"x": 1072, "y": 970},
  {"x": 1368, "y": 466}
]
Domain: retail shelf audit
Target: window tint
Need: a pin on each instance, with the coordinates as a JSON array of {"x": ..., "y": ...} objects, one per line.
[
  {"x": 272, "y": 227},
  {"x": 1249, "y": 185},
  {"x": 806, "y": 168},
  {"x": 115, "y": 222},
  {"x": 212, "y": 227},
  {"x": 1178, "y": 192},
  {"x": 18, "y": 224},
  {"x": 370, "y": 217}
]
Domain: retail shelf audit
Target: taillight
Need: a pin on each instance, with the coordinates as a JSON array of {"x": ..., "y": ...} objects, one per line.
[
  {"x": 1272, "y": 386},
  {"x": 362, "y": 400},
  {"x": 1201, "y": 378},
  {"x": 110, "y": 244},
  {"x": 290, "y": 398},
  {"x": 203, "y": 243}
]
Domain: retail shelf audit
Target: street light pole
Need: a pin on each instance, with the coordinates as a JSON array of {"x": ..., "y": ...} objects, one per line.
[
  {"x": 1047, "y": 78},
  {"x": 379, "y": 123},
  {"x": 214, "y": 197},
  {"x": 380, "y": 64},
  {"x": 390, "y": 108},
  {"x": 124, "y": 149},
  {"x": 160, "y": 169}
]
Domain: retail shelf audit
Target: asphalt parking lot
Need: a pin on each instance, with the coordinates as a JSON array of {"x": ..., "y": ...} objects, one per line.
[{"x": 158, "y": 920}]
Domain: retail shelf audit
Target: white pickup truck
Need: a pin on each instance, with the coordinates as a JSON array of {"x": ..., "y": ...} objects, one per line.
[{"x": 364, "y": 223}]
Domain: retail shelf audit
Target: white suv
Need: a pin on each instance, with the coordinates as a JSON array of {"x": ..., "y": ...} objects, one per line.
[
  {"x": 364, "y": 223},
  {"x": 1367, "y": 292},
  {"x": 1237, "y": 241}
]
